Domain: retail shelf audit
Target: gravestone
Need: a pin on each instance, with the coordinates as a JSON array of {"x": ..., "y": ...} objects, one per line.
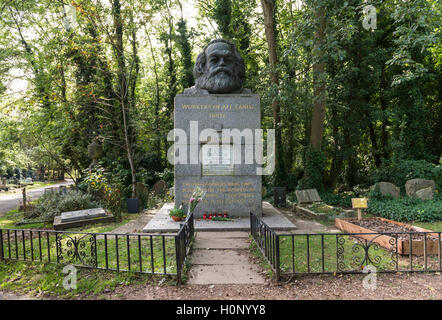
[
  {"x": 414, "y": 185},
  {"x": 387, "y": 188},
  {"x": 51, "y": 189},
  {"x": 307, "y": 196},
  {"x": 82, "y": 215},
  {"x": 159, "y": 187},
  {"x": 425, "y": 193},
  {"x": 215, "y": 145}
]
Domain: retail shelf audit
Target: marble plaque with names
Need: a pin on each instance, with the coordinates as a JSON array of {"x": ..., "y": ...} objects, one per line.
[{"x": 217, "y": 160}]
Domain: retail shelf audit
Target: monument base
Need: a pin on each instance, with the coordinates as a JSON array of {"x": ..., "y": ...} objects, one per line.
[{"x": 162, "y": 223}]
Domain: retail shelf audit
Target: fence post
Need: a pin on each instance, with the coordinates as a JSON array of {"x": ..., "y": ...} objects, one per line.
[
  {"x": 277, "y": 260},
  {"x": 178, "y": 257},
  {"x": 1, "y": 245}
]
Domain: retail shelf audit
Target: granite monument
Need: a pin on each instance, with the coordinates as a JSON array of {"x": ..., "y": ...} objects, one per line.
[{"x": 215, "y": 139}]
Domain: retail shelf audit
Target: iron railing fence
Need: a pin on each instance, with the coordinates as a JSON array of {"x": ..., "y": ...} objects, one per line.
[
  {"x": 267, "y": 242},
  {"x": 329, "y": 253},
  {"x": 183, "y": 244},
  {"x": 156, "y": 254}
]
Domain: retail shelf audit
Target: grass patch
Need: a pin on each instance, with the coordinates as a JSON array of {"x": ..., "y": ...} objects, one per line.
[
  {"x": 308, "y": 252},
  {"x": 261, "y": 259},
  {"x": 151, "y": 254},
  {"x": 314, "y": 253},
  {"x": 38, "y": 279},
  {"x": 9, "y": 220},
  {"x": 433, "y": 226}
]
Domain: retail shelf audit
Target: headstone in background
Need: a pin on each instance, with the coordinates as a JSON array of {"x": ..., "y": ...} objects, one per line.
[
  {"x": 425, "y": 194},
  {"x": 387, "y": 189},
  {"x": 414, "y": 185},
  {"x": 95, "y": 151},
  {"x": 51, "y": 189},
  {"x": 307, "y": 196},
  {"x": 159, "y": 187}
]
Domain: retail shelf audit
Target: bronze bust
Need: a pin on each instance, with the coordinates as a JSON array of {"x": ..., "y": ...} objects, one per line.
[{"x": 218, "y": 69}]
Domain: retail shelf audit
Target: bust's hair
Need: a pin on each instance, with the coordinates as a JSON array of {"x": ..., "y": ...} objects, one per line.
[{"x": 200, "y": 63}]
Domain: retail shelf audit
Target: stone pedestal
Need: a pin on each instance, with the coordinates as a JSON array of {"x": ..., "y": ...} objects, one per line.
[{"x": 226, "y": 169}]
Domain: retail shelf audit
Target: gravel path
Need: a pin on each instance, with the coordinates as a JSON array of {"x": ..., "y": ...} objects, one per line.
[
  {"x": 9, "y": 202},
  {"x": 389, "y": 287}
]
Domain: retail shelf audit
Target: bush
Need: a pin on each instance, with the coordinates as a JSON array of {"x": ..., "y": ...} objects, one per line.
[
  {"x": 167, "y": 175},
  {"x": 407, "y": 209},
  {"x": 52, "y": 204},
  {"x": 103, "y": 186},
  {"x": 402, "y": 171},
  {"x": 333, "y": 199}
]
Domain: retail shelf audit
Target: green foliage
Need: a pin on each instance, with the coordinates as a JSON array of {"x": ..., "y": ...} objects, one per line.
[
  {"x": 407, "y": 209},
  {"x": 100, "y": 183},
  {"x": 334, "y": 199},
  {"x": 314, "y": 170},
  {"x": 52, "y": 204},
  {"x": 222, "y": 16},
  {"x": 398, "y": 173},
  {"x": 167, "y": 175},
  {"x": 177, "y": 212}
]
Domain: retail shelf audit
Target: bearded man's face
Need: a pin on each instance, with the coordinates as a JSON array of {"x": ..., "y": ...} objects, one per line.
[{"x": 220, "y": 75}]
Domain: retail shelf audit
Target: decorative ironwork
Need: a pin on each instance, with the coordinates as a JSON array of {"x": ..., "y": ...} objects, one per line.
[
  {"x": 366, "y": 252},
  {"x": 77, "y": 248},
  {"x": 353, "y": 251},
  {"x": 340, "y": 241}
]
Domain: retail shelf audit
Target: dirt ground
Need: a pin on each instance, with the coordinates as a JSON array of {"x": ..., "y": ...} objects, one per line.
[{"x": 325, "y": 287}]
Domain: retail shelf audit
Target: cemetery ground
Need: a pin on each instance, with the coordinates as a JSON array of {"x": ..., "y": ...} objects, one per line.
[{"x": 45, "y": 281}]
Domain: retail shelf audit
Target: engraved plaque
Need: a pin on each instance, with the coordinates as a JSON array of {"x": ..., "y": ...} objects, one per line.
[{"x": 217, "y": 160}]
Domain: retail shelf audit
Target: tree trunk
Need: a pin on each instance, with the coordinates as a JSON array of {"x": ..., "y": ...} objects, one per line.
[
  {"x": 318, "y": 114},
  {"x": 122, "y": 88},
  {"x": 268, "y": 8}
]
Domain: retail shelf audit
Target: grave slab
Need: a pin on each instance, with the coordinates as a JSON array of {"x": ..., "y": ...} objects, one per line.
[
  {"x": 82, "y": 214},
  {"x": 58, "y": 225}
]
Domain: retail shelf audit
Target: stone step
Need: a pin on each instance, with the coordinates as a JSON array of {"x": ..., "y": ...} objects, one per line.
[
  {"x": 207, "y": 243},
  {"x": 219, "y": 257},
  {"x": 222, "y": 235},
  {"x": 225, "y": 274}
]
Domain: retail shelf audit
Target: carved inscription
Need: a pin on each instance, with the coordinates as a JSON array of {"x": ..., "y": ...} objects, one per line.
[{"x": 219, "y": 193}]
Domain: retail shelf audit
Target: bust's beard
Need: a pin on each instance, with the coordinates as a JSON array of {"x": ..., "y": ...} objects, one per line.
[{"x": 219, "y": 82}]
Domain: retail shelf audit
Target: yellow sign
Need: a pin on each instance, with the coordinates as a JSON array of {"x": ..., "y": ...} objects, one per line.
[{"x": 359, "y": 203}]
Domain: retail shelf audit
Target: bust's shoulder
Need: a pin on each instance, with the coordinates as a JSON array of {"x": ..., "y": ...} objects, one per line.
[{"x": 195, "y": 90}]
